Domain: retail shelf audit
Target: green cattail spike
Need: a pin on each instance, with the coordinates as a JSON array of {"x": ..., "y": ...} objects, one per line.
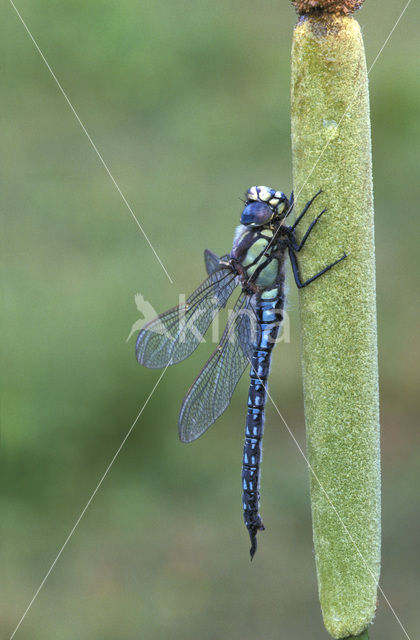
[{"x": 332, "y": 151}]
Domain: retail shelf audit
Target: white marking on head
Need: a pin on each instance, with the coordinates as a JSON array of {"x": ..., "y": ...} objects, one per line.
[
  {"x": 274, "y": 202},
  {"x": 279, "y": 195},
  {"x": 252, "y": 193},
  {"x": 264, "y": 193}
]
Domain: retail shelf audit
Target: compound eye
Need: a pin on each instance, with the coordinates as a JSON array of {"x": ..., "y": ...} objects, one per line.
[{"x": 256, "y": 214}]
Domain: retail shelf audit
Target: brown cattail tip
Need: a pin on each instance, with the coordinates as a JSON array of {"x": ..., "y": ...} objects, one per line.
[{"x": 338, "y": 7}]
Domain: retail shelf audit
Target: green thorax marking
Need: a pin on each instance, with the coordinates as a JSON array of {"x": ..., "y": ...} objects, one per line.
[{"x": 255, "y": 257}]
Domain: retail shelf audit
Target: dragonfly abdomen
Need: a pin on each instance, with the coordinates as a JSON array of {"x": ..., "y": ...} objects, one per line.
[{"x": 269, "y": 316}]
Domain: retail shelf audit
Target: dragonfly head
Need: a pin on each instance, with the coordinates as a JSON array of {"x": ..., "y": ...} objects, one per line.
[{"x": 262, "y": 205}]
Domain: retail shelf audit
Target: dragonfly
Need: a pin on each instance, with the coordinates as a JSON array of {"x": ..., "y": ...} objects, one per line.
[{"x": 256, "y": 264}]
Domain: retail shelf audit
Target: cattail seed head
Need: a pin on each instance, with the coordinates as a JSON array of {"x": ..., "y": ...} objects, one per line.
[{"x": 337, "y": 7}]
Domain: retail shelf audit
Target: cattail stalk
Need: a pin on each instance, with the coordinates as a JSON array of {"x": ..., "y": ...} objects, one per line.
[{"x": 332, "y": 151}]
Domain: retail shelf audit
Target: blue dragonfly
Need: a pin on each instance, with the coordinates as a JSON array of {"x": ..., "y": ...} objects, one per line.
[{"x": 256, "y": 264}]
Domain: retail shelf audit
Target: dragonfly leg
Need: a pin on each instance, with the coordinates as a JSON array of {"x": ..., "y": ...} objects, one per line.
[
  {"x": 305, "y": 208},
  {"x": 298, "y": 246},
  {"x": 296, "y": 273},
  {"x": 290, "y": 205}
]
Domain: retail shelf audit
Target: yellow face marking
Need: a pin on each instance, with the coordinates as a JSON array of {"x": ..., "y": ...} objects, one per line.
[
  {"x": 264, "y": 194},
  {"x": 252, "y": 193}
]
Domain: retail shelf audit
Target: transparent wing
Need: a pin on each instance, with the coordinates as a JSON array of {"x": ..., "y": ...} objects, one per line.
[
  {"x": 212, "y": 391},
  {"x": 175, "y": 334},
  {"x": 212, "y": 261},
  {"x": 247, "y": 328}
]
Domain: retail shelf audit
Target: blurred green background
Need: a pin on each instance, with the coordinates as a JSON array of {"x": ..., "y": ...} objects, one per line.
[{"x": 188, "y": 102}]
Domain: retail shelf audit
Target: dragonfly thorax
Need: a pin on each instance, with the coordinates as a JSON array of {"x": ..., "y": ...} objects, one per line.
[{"x": 256, "y": 256}]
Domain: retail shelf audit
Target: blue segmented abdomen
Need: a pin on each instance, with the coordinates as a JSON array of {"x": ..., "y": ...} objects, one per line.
[{"x": 269, "y": 313}]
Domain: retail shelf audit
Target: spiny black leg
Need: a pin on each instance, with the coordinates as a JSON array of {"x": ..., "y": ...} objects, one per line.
[
  {"x": 305, "y": 208},
  {"x": 295, "y": 268},
  {"x": 291, "y": 205},
  {"x": 305, "y": 237}
]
